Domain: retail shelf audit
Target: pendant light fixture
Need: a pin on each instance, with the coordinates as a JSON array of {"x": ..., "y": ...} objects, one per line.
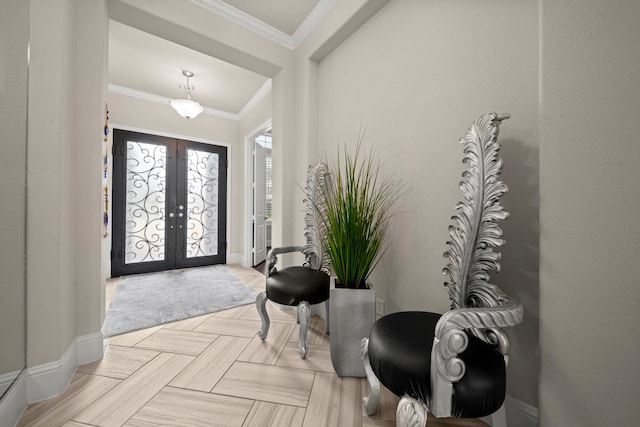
[{"x": 186, "y": 107}]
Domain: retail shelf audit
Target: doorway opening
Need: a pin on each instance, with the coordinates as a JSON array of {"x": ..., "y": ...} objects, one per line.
[
  {"x": 169, "y": 203},
  {"x": 261, "y": 194}
]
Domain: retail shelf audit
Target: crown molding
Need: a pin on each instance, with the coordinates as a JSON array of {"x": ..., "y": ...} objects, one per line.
[
  {"x": 322, "y": 8},
  {"x": 247, "y": 21},
  {"x": 257, "y": 97},
  {"x": 221, "y": 114},
  {"x": 134, "y": 93},
  {"x": 251, "y": 23}
]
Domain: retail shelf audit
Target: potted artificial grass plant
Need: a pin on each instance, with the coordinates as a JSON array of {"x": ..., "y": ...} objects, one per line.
[{"x": 358, "y": 209}]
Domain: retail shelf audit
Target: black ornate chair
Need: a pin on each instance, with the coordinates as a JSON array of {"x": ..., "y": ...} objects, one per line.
[
  {"x": 454, "y": 364},
  {"x": 306, "y": 285}
]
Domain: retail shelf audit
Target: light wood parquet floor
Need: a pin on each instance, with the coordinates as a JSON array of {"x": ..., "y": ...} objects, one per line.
[{"x": 213, "y": 370}]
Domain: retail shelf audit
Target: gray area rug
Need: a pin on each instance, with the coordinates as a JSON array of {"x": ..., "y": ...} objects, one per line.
[{"x": 141, "y": 301}]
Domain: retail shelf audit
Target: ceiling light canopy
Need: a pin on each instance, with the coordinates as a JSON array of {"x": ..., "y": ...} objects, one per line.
[{"x": 186, "y": 107}]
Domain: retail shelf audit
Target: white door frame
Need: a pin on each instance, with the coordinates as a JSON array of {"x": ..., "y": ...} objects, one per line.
[
  {"x": 259, "y": 203},
  {"x": 248, "y": 190}
]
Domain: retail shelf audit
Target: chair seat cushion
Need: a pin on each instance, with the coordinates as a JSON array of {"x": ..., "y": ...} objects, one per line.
[
  {"x": 400, "y": 354},
  {"x": 292, "y": 285}
]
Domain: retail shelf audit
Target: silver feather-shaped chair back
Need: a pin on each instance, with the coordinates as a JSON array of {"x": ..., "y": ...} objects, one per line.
[
  {"x": 475, "y": 232},
  {"x": 314, "y": 225},
  {"x": 467, "y": 346}
]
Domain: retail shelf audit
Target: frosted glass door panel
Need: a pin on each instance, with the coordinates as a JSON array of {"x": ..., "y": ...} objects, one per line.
[
  {"x": 146, "y": 185},
  {"x": 202, "y": 203}
]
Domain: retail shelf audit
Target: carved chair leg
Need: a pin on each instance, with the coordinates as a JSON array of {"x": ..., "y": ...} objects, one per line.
[
  {"x": 261, "y": 304},
  {"x": 499, "y": 418},
  {"x": 411, "y": 413},
  {"x": 304, "y": 313},
  {"x": 327, "y": 315},
  {"x": 370, "y": 402}
]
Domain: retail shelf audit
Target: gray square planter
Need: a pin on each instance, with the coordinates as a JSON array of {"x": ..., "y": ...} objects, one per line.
[{"x": 352, "y": 315}]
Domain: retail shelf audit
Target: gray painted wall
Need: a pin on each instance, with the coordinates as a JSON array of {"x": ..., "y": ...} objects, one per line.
[
  {"x": 416, "y": 75},
  {"x": 14, "y": 39},
  {"x": 589, "y": 204}
]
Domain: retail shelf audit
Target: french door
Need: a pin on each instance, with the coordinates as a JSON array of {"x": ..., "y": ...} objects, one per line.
[{"x": 169, "y": 203}]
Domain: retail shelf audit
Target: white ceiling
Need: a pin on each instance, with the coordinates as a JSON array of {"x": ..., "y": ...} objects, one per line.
[
  {"x": 283, "y": 15},
  {"x": 149, "y": 67}
]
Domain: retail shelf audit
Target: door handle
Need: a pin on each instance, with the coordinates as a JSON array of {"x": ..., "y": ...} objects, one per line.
[{"x": 180, "y": 214}]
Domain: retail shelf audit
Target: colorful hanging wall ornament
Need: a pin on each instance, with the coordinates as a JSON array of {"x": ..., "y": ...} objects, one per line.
[
  {"x": 105, "y": 170},
  {"x": 105, "y": 164},
  {"x": 106, "y": 123},
  {"x": 106, "y": 211},
  {"x": 106, "y": 194}
]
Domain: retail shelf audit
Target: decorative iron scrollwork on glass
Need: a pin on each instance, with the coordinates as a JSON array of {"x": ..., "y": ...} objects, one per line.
[
  {"x": 202, "y": 203},
  {"x": 145, "y": 202}
]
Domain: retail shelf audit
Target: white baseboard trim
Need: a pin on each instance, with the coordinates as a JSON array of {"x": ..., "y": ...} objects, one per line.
[
  {"x": 236, "y": 258},
  {"x": 14, "y": 402},
  {"x": 7, "y": 379},
  {"x": 519, "y": 413},
  {"x": 90, "y": 348},
  {"x": 48, "y": 380}
]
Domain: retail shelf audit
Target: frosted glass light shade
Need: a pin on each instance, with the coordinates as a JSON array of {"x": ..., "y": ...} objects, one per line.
[{"x": 187, "y": 108}]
